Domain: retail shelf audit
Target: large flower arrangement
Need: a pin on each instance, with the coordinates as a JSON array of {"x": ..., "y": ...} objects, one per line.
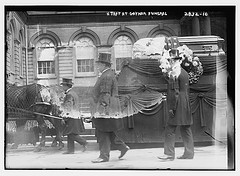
[
  {"x": 158, "y": 48},
  {"x": 191, "y": 64},
  {"x": 188, "y": 61}
]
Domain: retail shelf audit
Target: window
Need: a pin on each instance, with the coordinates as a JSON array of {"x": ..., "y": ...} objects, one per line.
[
  {"x": 122, "y": 50},
  {"x": 161, "y": 35},
  {"x": 22, "y": 55},
  {"x": 45, "y": 57},
  {"x": 23, "y": 71},
  {"x": 10, "y": 51},
  {"x": 85, "y": 65},
  {"x": 46, "y": 67},
  {"x": 85, "y": 55}
]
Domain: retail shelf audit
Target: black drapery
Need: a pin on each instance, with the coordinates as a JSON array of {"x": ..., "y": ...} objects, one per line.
[
  {"x": 150, "y": 67},
  {"x": 144, "y": 101},
  {"x": 213, "y": 64},
  {"x": 147, "y": 99},
  {"x": 203, "y": 98}
]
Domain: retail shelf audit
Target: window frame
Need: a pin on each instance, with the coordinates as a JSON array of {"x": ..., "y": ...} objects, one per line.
[
  {"x": 47, "y": 75},
  {"x": 21, "y": 55},
  {"x": 11, "y": 49},
  {"x": 76, "y": 59},
  {"x": 116, "y": 58}
]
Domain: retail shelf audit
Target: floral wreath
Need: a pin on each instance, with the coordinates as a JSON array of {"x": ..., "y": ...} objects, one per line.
[
  {"x": 158, "y": 48},
  {"x": 191, "y": 64}
]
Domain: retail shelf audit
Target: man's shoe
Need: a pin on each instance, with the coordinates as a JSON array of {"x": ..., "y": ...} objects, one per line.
[
  {"x": 166, "y": 158},
  {"x": 84, "y": 147},
  {"x": 61, "y": 146},
  {"x": 123, "y": 152},
  {"x": 185, "y": 157},
  {"x": 67, "y": 152},
  {"x": 99, "y": 160}
]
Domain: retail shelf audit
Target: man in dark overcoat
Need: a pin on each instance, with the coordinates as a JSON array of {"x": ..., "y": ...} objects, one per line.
[
  {"x": 106, "y": 110},
  {"x": 73, "y": 123},
  {"x": 179, "y": 115}
]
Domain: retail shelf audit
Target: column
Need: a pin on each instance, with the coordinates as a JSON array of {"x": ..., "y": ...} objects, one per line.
[
  {"x": 195, "y": 26},
  {"x": 206, "y": 26}
]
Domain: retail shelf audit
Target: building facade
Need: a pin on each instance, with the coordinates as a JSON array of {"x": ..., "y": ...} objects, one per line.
[{"x": 44, "y": 48}]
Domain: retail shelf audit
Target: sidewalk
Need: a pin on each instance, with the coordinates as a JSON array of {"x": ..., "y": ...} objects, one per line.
[{"x": 208, "y": 157}]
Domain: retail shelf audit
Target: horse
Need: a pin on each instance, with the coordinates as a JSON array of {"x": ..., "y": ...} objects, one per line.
[
  {"x": 57, "y": 94},
  {"x": 31, "y": 102}
]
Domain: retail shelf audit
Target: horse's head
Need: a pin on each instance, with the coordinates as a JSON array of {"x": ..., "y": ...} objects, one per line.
[
  {"x": 45, "y": 95},
  {"x": 57, "y": 94},
  {"x": 42, "y": 101}
]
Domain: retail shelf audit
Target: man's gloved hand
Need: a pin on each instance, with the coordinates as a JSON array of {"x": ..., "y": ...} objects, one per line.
[
  {"x": 65, "y": 117},
  {"x": 104, "y": 104},
  {"x": 105, "y": 100}
]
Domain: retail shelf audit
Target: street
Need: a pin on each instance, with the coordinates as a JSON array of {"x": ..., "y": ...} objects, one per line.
[{"x": 206, "y": 158}]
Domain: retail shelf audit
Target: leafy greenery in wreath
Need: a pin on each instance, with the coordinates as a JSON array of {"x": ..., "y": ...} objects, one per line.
[{"x": 191, "y": 64}]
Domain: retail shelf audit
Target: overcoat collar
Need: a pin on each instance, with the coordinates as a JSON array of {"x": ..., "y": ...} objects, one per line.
[{"x": 103, "y": 71}]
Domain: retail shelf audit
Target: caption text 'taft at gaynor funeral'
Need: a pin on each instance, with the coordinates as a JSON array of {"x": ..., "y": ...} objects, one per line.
[{"x": 136, "y": 13}]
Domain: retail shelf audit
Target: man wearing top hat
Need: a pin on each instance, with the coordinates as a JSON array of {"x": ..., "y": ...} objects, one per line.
[
  {"x": 73, "y": 123},
  {"x": 106, "y": 108},
  {"x": 179, "y": 111}
]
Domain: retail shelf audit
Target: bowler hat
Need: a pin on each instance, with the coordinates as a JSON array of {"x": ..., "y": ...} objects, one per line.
[
  {"x": 174, "y": 54},
  {"x": 104, "y": 58},
  {"x": 67, "y": 81}
]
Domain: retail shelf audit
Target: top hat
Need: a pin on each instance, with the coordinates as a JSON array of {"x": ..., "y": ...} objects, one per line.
[
  {"x": 104, "y": 58},
  {"x": 174, "y": 54},
  {"x": 66, "y": 81}
]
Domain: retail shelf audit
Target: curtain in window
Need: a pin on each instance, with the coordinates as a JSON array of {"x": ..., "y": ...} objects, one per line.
[
  {"x": 122, "y": 51},
  {"x": 85, "y": 52},
  {"x": 85, "y": 55},
  {"x": 45, "y": 54}
]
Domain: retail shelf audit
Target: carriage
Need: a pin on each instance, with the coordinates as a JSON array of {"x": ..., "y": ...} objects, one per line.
[
  {"x": 141, "y": 86},
  {"x": 30, "y": 110},
  {"x": 142, "y": 89}
]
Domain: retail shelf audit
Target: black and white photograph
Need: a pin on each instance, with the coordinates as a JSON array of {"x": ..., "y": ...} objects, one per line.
[{"x": 128, "y": 87}]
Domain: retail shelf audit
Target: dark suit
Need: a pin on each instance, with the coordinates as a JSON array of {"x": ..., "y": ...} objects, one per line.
[
  {"x": 74, "y": 127},
  {"x": 106, "y": 104},
  {"x": 178, "y": 101}
]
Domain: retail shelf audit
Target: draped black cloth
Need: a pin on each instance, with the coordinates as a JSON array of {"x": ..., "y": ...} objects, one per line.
[
  {"x": 213, "y": 64},
  {"x": 145, "y": 97},
  {"x": 148, "y": 67}
]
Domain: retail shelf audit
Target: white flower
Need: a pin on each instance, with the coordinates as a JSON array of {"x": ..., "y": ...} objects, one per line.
[
  {"x": 137, "y": 55},
  {"x": 182, "y": 56},
  {"x": 190, "y": 58},
  {"x": 181, "y": 49},
  {"x": 185, "y": 50},
  {"x": 190, "y": 52},
  {"x": 186, "y": 64},
  {"x": 195, "y": 63},
  {"x": 196, "y": 59}
]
